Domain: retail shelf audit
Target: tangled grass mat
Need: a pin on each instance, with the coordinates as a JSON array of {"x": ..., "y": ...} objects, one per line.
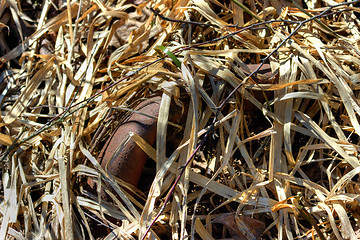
[{"x": 258, "y": 157}]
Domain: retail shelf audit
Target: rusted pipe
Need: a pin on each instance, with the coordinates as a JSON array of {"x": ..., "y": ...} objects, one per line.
[{"x": 129, "y": 163}]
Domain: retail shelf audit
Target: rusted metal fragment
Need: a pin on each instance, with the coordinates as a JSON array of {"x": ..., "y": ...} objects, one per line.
[
  {"x": 264, "y": 75},
  {"x": 129, "y": 163}
]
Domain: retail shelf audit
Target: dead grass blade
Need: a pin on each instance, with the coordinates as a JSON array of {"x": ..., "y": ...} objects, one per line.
[{"x": 236, "y": 149}]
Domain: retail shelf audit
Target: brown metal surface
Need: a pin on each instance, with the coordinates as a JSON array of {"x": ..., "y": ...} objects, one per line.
[
  {"x": 264, "y": 75},
  {"x": 129, "y": 163}
]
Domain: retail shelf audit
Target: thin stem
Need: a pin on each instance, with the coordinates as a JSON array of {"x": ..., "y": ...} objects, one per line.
[
  {"x": 322, "y": 14},
  {"x": 183, "y": 168}
]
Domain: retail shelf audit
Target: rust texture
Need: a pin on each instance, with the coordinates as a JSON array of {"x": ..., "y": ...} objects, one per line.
[
  {"x": 129, "y": 163},
  {"x": 264, "y": 74}
]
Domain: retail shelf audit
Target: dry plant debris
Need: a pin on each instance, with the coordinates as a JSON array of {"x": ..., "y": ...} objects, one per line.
[{"x": 287, "y": 169}]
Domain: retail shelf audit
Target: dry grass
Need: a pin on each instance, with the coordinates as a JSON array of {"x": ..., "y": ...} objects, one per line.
[{"x": 291, "y": 166}]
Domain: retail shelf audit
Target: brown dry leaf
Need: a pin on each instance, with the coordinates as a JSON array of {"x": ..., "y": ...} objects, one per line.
[{"x": 241, "y": 227}]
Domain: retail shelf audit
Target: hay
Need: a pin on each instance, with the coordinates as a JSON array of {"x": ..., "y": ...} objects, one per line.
[{"x": 279, "y": 155}]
